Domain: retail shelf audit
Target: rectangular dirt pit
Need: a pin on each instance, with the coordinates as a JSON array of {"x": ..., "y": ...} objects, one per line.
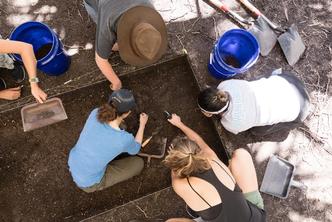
[{"x": 35, "y": 182}]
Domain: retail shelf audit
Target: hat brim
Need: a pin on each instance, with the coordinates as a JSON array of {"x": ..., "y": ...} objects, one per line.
[{"x": 127, "y": 22}]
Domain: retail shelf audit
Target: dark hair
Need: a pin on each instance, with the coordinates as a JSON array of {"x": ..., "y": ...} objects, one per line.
[
  {"x": 107, "y": 113},
  {"x": 212, "y": 99},
  {"x": 185, "y": 159}
]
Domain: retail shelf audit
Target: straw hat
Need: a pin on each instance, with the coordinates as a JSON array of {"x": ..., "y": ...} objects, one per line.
[{"x": 141, "y": 35}]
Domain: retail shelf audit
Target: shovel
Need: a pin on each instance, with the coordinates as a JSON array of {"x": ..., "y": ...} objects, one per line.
[
  {"x": 278, "y": 178},
  {"x": 290, "y": 40},
  {"x": 265, "y": 36}
]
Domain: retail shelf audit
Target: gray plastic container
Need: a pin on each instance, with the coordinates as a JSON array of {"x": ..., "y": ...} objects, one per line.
[{"x": 278, "y": 178}]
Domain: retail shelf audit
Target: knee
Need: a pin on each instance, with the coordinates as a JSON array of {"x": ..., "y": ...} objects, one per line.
[
  {"x": 241, "y": 155},
  {"x": 138, "y": 163}
]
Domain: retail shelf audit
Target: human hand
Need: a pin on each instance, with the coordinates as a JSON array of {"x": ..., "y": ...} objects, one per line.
[
  {"x": 116, "y": 84},
  {"x": 143, "y": 119},
  {"x": 38, "y": 93},
  {"x": 175, "y": 120},
  {"x": 11, "y": 94}
]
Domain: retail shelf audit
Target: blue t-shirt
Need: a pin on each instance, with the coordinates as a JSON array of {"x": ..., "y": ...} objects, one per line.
[{"x": 98, "y": 144}]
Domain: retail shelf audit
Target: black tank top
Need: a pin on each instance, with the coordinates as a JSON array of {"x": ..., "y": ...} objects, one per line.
[{"x": 234, "y": 206}]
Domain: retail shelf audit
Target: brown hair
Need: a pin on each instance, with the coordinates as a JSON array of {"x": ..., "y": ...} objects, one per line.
[
  {"x": 107, "y": 113},
  {"x": 184, "y": 158},
  {"x": 212, "y": 99}
]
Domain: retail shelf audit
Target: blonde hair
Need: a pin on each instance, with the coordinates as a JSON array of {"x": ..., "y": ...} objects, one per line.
[{"x": 185, "y": 158}]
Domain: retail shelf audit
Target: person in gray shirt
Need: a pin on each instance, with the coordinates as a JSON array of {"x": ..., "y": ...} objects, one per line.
[{"x": 132, "y": 27}]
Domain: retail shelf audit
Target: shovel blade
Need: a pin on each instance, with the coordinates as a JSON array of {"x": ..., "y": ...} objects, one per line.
[
  {"x": 265, "y": 36},
  {"x": 292, "y": 45}
]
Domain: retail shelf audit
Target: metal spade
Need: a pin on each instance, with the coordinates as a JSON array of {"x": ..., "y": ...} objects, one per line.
[
  {"x": 265, "y": 36},
  {"x": 290, "y": 40}
]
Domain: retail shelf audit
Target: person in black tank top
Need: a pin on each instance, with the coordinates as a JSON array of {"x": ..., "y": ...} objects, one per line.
[{"x": 213, "y": 191}]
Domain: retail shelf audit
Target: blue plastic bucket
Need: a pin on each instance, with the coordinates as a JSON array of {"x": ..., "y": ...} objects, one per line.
[
  {"x": 48, "y": 49},
  {"x": 235, "y": 52},
  {"x": 214, "y": 68}
]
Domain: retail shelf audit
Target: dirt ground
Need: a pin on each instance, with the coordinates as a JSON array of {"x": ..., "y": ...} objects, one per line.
[
  {"x": 155, "y": 207},
  {"x": 193, "y": 26},
  {"x": 34, "y": 164}
]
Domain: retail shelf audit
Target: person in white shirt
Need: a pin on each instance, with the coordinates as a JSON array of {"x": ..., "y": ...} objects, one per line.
[{"x": 243, "y": 104}]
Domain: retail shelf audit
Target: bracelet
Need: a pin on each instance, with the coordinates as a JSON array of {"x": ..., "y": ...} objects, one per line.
[{"x": 34, "y": 80}]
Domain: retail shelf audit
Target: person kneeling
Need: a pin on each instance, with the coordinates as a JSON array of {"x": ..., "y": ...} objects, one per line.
[
  {"x": 92, "y": 162},
  {"x": 213, "y": 191},
  {"x": 244, "y": 105}
]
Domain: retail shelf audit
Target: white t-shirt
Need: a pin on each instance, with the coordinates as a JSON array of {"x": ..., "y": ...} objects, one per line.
[{"x": 266, "y": 101}]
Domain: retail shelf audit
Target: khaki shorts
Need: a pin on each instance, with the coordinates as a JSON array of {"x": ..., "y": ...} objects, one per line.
[{"x": 118, "y": 171}]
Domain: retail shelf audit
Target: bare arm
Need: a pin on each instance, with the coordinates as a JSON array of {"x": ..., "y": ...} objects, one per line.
[
  {"x": 191, "y": 134},
  {"x": 106, "y": 68},
  {"x": 25, "y": 50},
  {"x": 140, "y": 133}
]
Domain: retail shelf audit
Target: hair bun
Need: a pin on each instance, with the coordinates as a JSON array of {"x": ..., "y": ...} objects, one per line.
[
  {"x": 184, "y": 158},
  {"x": 223, "y": 96}
]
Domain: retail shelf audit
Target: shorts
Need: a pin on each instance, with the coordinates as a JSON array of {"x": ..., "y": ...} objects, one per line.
[
  {"x": 118, "y": 171},
  {"x": 253, "y": 197}
]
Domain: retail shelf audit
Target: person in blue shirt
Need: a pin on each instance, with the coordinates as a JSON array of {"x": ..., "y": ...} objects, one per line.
[{"x": 92, "y": 160}]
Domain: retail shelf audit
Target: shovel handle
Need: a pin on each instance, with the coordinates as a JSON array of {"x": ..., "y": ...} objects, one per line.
[
  {"x": 217, "y": 4},
  {"x": 251, "y": 7},
  {"x": 298, "y": 184},
  {"x": 224, "y": 8},
  {"x": 146, "y": 141},
  {"x": 149, "y": 161},
  {"x": 258, "y": 13}
]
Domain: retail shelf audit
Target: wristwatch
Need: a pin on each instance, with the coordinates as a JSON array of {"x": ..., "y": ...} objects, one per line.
[{"x": 34, "y": 80}]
